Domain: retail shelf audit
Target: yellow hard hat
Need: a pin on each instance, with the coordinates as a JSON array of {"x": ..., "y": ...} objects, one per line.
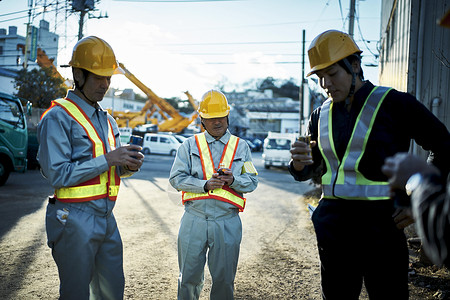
[
  {"x": 328, "y": 48},
  {"x": 95, "y": 55},
  {"x": 214, "y": 104}
]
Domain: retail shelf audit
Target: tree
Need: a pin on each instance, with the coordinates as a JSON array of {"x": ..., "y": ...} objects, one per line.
[
  {"x": 289, "y": 89},
  {"x": 39, "y": 86},
  {"x": 267, "y": 84}
]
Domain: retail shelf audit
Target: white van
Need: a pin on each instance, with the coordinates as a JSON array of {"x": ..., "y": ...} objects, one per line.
[
  {"x": 276, "y": 149},
  {"x": 160, "y": 144}
]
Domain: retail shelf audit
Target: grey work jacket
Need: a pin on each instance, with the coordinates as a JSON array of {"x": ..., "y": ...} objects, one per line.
[{"x": 187, "y": 174}]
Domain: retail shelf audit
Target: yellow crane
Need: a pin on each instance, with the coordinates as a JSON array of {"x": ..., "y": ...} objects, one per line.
[{"x": 173, "y": 121}]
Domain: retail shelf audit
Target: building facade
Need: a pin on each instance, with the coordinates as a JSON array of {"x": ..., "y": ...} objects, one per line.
[{"x": 14, "y": 51}]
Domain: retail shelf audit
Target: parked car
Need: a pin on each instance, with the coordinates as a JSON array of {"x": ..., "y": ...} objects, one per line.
[
  {"x": 180, "y": 138},
  {"x": 252, "y": 146},
  {"x": 258, "y": 144},
  {"x": 160, "y": 144}
]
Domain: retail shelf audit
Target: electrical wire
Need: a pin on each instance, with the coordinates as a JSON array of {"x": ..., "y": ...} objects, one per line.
[
  {"x": 361, "y": 35},
  {"x": 173, "y": 1}
]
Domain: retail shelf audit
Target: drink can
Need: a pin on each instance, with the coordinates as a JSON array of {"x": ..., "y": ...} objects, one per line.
[{"x": 305, "y": 139}]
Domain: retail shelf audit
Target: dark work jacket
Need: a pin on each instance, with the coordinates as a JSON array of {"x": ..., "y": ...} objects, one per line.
[
  {"x": 431, "y": 210},
  {"x": 400, "y": 119}
]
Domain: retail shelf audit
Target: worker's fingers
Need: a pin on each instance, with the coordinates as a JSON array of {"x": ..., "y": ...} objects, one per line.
[
  {"x": 228, "y": 177},
  {"x": 214, "y": 183},
  {"x": 125, "y": 155}
]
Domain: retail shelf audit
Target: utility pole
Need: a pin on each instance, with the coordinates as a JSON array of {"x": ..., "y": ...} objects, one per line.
[
  {"x": 302, "y": 94},
  {"x": 81, "y": 24},
  {"x": 27, "y": 38},
  {"x": 351, "y": 23},
  {"x": 84, "y": 7}
]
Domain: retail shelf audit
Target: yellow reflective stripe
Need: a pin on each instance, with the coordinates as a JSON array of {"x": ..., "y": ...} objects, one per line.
[
  {"x": 248, "y": 167},
  {"x": 231, "y": 148},
  {"x": 113, "y": 185},
  {"x": 111, "y": 138},
  {"x": 207, "y": 162},
  {"x": 84, "y": 191},
  {"x": 114, "y": 190},
  {"x": 231, "y": 197},
  {"x": 327, "y": 128},
  {"x": 85, "y": 123},
  {"x": 217, "y": 193}
]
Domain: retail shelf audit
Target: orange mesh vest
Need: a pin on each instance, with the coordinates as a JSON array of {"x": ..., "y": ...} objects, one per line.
[
  {"x": 225, "y": 193},
  {"x": 102, "y": 186}
]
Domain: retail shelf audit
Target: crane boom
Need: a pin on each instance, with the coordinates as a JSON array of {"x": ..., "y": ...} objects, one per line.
[{"x": 176, "y": 122}]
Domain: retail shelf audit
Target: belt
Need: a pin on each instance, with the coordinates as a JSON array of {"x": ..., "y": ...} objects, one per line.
[{"x": 232, "y": 213}]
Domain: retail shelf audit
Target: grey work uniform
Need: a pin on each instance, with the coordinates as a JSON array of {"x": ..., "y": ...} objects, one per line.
[
  {"x": 209, "y": 225},
  {"x": 84, "y": 238}
]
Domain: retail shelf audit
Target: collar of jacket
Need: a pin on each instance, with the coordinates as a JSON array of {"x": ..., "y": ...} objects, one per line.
[
  {"x": 224, "y": 139},
  {"x": 88, "y": 109}
]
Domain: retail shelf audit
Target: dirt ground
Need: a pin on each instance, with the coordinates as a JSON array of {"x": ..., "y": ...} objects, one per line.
[{"x": 278, "y": 253}]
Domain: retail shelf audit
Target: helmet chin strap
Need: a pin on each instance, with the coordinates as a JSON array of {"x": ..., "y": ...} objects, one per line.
[
  {"x": 352, "y": 87},
  {"x": 80, "y": 88},
  {"x": 92, "y": 102}
]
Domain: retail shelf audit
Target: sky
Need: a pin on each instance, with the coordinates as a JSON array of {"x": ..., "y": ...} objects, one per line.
[{"x": 184, "y": 45}]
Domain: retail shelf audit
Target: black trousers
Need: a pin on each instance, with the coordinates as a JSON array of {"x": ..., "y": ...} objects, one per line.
[{"x": 358, "y": 241}]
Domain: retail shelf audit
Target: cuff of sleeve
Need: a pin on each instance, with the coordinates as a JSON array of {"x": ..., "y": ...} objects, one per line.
[{"x": 101, "y": 163}]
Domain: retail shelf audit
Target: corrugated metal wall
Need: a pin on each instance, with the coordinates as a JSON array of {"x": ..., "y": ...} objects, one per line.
[{"x": 415, "y": 52}]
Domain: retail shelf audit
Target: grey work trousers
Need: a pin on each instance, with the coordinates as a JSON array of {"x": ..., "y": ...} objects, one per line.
[
  {"x": 88, "y": 252},
  {"x": 217, "y": 238}
]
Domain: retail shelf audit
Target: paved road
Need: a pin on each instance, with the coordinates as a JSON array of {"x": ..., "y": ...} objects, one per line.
[{"x": 148, "y": 213}]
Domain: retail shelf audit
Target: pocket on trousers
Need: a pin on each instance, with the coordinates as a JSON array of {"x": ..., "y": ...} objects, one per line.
[{"x": 54, "y": 224}]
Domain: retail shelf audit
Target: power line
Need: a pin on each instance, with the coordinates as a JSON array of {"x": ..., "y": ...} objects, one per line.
[
  {"x": 13, "y": 13},
  {"x": 253, "y": 63},
  {"x": 362, "y": 37},
  {"x": 230, "y": 43},
  {"x": 173, "y": 1},
  {"x": 223, "y": 54}
]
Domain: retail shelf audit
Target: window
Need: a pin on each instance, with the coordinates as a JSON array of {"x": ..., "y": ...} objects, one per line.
[
  {"x": 154, "y": 139},
  {"x": 11, "y": 113}
]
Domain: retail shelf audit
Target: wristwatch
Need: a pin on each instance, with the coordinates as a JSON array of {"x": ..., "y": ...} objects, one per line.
[{"x": 412, "y": 183}]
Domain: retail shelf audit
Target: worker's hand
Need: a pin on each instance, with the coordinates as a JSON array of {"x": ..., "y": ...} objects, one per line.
[
  {"x": 400, "y": 167},
  {"x": 403, "y": 217},
  {"x": 127, "y": 156},
  {"x": 227, "y": 176},
  {"x": 301, "y": 154},
  {"x": 214, "y": 182}
]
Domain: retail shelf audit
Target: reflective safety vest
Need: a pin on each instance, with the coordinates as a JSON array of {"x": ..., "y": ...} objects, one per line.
[
  {"x": 343, "y": 178},
  {"x": 225, "y": 193},
  {"x": 102, "y": 186}
]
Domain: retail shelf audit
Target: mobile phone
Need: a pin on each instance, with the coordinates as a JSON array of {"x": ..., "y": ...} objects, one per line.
[{"x": 135, "y": 140}]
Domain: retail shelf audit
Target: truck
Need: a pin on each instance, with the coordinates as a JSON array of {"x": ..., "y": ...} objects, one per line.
[
  {"x": 276, "y": 149},
  {"x": 13, "y": 136}
]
